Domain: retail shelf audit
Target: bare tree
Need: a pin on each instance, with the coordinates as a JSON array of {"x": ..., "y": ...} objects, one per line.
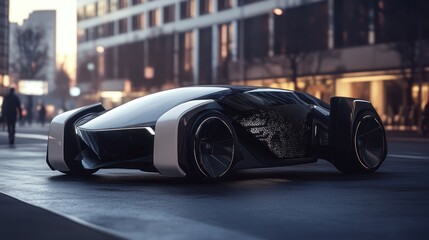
[
  {"x": 298, "y": 37},
  {"x": 408, "y": 56},
  {"x": 408, "y": 29},
  {"x": 313, "y": 67},
  {"x": 32, "y": 53}
]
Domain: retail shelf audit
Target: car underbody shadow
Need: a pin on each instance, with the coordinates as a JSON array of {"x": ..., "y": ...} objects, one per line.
[{"x": 283, "y": 174}]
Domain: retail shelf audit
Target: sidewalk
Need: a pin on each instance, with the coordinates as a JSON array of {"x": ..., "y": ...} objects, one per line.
[{"x": 20, "y": 220}]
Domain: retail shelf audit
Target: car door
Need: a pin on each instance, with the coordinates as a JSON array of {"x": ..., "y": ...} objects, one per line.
[{"x": 273, "y": 124}]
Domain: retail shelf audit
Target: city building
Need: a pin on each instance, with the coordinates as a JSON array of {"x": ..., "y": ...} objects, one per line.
[
  {"x": 40, "y": 41},
  {"x": 365, "y": 49},
  {"x": 4, "y": 47}
]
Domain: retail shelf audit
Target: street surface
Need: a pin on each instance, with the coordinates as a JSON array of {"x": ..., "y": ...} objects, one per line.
[{"x": 312, "y": 201}]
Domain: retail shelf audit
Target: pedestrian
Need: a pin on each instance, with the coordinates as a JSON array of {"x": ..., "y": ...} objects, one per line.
[
  {"x": 42, "y": 114},
  {"x": 29, "y": 108},
  {"x": 11, "y": 108},
  {"x": 425, "y": 120},
  {"x": 2, "y": 121}
]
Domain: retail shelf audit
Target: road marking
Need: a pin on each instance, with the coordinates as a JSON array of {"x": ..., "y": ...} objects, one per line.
[
  {"x": 408, "y": 156},
  {"x": 28, "y": 135}
]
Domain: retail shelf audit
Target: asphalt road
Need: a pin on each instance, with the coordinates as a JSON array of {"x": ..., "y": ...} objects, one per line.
[{"x": 312, "y": 201}]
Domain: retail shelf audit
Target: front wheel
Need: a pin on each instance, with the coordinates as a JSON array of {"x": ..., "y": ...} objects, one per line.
[
  {"x": 369, "y": 147},
  {"x": 211, "y": 152}
]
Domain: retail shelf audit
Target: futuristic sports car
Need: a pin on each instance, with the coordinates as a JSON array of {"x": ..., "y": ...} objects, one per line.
[{"x": 207, "y": 132}]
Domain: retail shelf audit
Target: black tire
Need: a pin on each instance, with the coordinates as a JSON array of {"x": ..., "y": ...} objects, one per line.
[
  {"x": 211, "y": 152},
  {"x": 368, "y": 146}
]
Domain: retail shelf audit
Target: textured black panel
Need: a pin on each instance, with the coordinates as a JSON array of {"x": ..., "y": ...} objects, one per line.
[{"x": 282, "y": 130}]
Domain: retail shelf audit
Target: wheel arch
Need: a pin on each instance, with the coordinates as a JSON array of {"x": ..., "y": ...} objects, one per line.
[
  {"x": 170, "y": 136},
  {"x": 190, "y": 154},
  {"x": 63, "y": 146}
]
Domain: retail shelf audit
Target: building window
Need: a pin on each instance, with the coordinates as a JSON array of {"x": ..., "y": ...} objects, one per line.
[
  {"x": 90, "y": 10},
  {"x": 95, "y": 33},
  {"x": 224, "y": 4},
  {"x": 123, "y": 25},
  {"x": 397, "y": 21},
  {"x": 81, "y": 35},
  {"x": 113, "y": 5},
  {"x": 206, "y": 6},
  {"x": 351, "y": 23},
  {"x": 169, "y": 14},
  {"x": 245, "y": 2},
  {"x": 138, "y": 22},
  {"x": 188, "y": 51},
  {"x": 205, "y": 71},
  {"x": 110, "y": 29},
  {"x": 87, "y": 37},
  {"x": 137, "y": 2},
  {"x": 187, "y": 9},
  {"x": 81, "y": 13},
  {"x": 104, "y": 30},
  {"x": 256, "y": 29},
  {"x": 154, "y": 18},
  {"x": 122, "y": 4},
  {"x": 102, "y": 7},
  {"x": 100, "y": 31},
  {"x": 225, "y": 36},
  {"x": 292, "y": 38}
]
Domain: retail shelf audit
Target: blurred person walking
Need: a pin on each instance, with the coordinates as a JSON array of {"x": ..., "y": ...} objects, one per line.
[
  {"x": 425, "y": 121},
  {"x": 42, "y": 114},
  {"x": 29, "y": 108},
  {"x": 11, "y": 108}
]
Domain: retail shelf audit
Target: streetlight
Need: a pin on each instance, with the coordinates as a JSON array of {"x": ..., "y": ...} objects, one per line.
[
  {"x": 74, "y": 91},
  {"x": 278, "y": 11},
  {"x": 100, "y": 49}
]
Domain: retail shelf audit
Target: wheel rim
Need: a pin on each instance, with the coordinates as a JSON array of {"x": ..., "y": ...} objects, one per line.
[
  {"x": 369, "y": 142},
  {"x": 214, "y": 147}
]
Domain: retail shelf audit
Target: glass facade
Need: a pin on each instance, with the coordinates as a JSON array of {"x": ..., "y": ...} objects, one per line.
[
  {"x": 163, "y": 44},
  {"x": 4, "y": 38}
]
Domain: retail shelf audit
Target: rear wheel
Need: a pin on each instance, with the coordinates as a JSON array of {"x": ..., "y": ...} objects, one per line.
[
  {"x": 369, "y": 142},
  {"x": 368, "y": 149},
  {"x": 212, "y": 149}
]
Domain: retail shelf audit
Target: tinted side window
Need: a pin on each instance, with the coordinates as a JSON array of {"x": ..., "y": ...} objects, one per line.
[
  {"x": 255, "y": 100},
  {"x": 309, "y": 99}
]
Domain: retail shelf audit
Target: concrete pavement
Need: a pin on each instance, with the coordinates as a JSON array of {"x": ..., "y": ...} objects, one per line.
[{"x": 20, "y": 220}]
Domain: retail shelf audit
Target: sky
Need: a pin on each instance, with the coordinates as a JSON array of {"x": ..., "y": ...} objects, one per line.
[{"x": 66, "y": 26}]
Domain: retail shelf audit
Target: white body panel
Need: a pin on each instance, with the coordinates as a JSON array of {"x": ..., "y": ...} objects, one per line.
[
  {"x": 165, "y": 154},
  {"x": 56, "y": 141}
]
